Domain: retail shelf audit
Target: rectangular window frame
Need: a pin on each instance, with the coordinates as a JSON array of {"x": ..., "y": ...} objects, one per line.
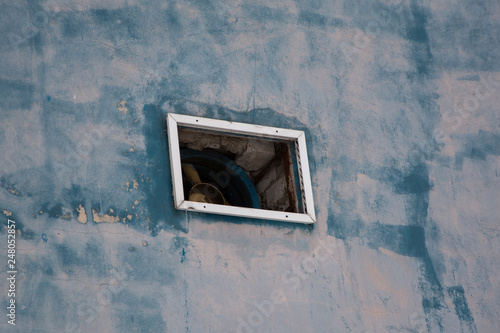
[{"x": 175, "y": 120}]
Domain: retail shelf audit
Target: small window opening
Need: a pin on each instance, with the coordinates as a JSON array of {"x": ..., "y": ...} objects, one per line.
[{"x": 239, "y": 169}]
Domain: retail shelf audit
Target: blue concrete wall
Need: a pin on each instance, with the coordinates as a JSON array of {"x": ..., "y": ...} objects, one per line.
[{"x": 400, "y": 104}]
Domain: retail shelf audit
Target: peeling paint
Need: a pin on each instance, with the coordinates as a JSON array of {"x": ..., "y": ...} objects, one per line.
[
  {"x": 13, "y": 191},
  {"x": 6, "y": 212},
  {"x": 121, "y": 107},
  {"x": 131, "y": 185},
  {"x": 106, "y": 218},
  {"x": 82, "y": 215}
]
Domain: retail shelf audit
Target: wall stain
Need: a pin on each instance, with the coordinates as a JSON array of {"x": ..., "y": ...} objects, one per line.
[
  {"x": 83, "y": 261},
  {"x": 462, "y": 310},
  {"x": 16, "y": 94},
  {"x": 477, "y": 147},
  {"x": 139, "y": 314}
]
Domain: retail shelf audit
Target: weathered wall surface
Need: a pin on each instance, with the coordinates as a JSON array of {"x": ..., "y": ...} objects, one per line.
[{"x": 400, "y": 103}]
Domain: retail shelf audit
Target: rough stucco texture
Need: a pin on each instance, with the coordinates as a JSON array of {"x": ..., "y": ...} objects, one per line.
[{"x": 400, "y": 105}]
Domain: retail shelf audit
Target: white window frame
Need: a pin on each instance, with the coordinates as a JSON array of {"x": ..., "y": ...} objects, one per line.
[{"x": 175, "y": 120}]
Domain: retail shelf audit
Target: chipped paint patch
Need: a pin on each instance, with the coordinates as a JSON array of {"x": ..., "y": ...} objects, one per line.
[
  {"x": 13, "y": 191},
  {"x": 121, "y": 107},
  {"x": 105, "y": 218},
  {"x": 82, "y": 216},
  {"x": 136, "y": 203},
  {"x": 6, "y": 212},
  {"x": 134, "y": 184}
]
